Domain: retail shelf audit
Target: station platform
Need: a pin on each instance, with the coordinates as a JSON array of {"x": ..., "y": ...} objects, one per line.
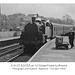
[{"x": 48, "y": 53}]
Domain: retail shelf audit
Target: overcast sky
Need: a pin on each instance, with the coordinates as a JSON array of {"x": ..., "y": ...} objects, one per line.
[{"x": 47, "y": 10}]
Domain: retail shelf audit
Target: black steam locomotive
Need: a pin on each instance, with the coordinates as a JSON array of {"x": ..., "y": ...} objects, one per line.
[{"x": 32, "y": 38}]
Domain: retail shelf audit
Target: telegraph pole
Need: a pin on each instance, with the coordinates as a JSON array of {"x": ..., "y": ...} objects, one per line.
[{"x": 0, "y": 9}]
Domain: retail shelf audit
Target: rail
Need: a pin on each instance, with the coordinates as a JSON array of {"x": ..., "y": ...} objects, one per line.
[
  {"x": 10, "y": 38},
  {"x": 8, "y": 53}
]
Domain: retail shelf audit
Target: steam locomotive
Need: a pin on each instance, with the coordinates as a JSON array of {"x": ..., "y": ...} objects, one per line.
[
  {"x": 34, "y": 36},
  {"x": 31, "y": 38}
]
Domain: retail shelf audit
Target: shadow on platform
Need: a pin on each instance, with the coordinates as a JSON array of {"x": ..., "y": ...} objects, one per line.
[{"x": 60, "y": 48}]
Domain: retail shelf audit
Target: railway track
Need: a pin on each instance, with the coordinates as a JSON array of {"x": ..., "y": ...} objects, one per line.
[{"x": 10, "y": 52}]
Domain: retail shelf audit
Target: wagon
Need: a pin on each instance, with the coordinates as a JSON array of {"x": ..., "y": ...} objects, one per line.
[{"x": 62, "y": 42}]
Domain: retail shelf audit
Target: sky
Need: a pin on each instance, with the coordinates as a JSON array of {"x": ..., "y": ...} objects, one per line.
[{"x": 47, "y": 10}]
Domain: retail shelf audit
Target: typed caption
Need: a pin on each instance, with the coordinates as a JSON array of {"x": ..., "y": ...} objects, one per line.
[{"x": 39, "y": 66}]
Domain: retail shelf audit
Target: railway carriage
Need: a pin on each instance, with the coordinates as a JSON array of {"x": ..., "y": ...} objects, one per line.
[
  {"x": 58, "y": 29},
  {"x": 66, "y": 28}
]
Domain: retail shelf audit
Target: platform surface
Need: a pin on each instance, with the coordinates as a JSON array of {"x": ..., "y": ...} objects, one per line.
[{"x": 48, "y": 53}]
